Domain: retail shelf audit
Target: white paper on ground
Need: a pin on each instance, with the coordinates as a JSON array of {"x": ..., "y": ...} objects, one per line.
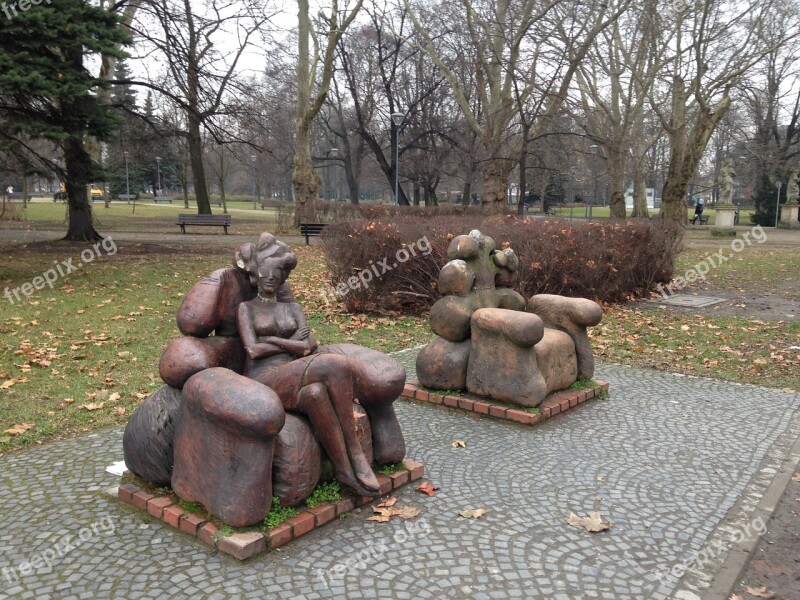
[{"x": 117, "y": 468}]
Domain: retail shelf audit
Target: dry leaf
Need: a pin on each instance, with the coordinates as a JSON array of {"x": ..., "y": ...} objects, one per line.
[
  {"x": 473, "y": 513},
  {"x": 390, "y": 501},
  {"x": 113, "y": 397},
  {"x": 7, "y": 384},
  {"x": 121, "y": 410},
  {"x": 69, "y": 400},
  {"x": 601, "y": 478},
  {"x": 94, "y": 406},
  {"x": 19, "y": 428},
  {"x": 383, "y": 514},
  {"x": 736, "y": 597},
  {"x": 428, "y": 488},
  {"x": 594, "y": 522},
  {"x": 761, "y": 592},
  {"x": 796, "y": 476},
  {"x": 459, "y": 444}
]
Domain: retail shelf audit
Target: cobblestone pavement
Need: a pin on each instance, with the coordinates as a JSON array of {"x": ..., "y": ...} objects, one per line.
[{"x": 676, "y": 463}]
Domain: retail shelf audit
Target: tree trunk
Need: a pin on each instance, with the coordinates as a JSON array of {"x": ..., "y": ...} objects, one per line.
[
  {"x": 523, "y": 178},
  {"x": 639, "y": 187},
  {"x": 495, "y": 181},
  {"x": 616, "y": 173},
  {"x": 684, "y": 158},
  {"x": 417, "y": 193},
  {"x": 195, "y": 142},
  {"x": 305, "y": 181},
  {"x": 77, "y": 163}
]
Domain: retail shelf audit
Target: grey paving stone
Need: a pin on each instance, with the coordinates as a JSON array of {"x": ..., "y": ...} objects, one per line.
[{"x": 664, "y": 459}]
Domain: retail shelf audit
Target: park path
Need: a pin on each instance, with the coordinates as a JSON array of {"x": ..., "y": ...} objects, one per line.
[{"x": 680, "y": 466}]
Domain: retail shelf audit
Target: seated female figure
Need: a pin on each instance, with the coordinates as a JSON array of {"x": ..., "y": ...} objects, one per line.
[{"x": 280, "y": 354}]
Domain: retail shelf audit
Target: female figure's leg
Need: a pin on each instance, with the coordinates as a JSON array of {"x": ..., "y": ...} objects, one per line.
[{"x": 321, "y": 387}]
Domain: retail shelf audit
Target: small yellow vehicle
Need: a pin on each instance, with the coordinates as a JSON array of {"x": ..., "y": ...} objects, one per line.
[{"x": 97, "y": 193}]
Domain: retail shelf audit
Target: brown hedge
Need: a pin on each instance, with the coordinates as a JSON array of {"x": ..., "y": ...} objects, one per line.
[{"x": 608, "y": 260}]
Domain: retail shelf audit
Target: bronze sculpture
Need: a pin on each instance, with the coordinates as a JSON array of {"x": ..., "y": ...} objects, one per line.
[{"x": 239, "y": 386}]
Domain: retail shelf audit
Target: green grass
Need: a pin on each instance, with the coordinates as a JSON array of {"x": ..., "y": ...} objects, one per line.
[
  {"x": 100, "y": 331},
  {"x": 83, "y": 355},
  {"x": 583, "y": 383},
  {"x": 325, "y": 492},
  {"x": 392, "y": 468},
  {"x": 278, "y": 514},
  {"x": 148, "y": 218}
]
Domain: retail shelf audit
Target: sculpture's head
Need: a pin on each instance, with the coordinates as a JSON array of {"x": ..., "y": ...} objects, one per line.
[{"x": 267, "y": 263}]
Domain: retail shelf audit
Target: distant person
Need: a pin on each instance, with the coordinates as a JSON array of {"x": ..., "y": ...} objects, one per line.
[
  {"x": 10, "y": 190},
  {"x": 698, "y": 210}
]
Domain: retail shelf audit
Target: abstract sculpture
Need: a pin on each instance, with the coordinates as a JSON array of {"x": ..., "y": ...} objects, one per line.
[
  {"x": 491, "y": 342},
  {"x": 246, "y": 413}
]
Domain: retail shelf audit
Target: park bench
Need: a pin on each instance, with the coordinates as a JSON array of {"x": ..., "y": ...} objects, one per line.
[
  {"x": 204, "y": 221},
  {"x": 126, "y": 197},
  {"x": 18, "y": 196},
  {"x": 158, "y": 199},
  {"x": 308, "y": 229},
  {"x": 702, "y": 218}
]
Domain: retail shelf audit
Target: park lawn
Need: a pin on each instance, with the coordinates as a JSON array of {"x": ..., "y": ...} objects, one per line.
[
  {"x": 83, "y": 355},
  {"x": 148, "y": 218},
  {"x": 756, "y": 269},
  {"x": 603, "y": 212},
  {"x": 728, "y": 348}
]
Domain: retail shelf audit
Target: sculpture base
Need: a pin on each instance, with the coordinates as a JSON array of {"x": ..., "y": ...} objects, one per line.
[
  {"x": 250, "y": 541},
  {"x": 555, "y": 403}
]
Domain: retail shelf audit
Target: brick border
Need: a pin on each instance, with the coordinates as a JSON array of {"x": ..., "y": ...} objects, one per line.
[
  {"x": 559, "y": 402},
  {"x": 243, "y": 545}
]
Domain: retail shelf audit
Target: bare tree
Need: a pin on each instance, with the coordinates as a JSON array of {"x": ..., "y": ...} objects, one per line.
[
  {"x": 538, "y": 42},
  {"x": 198, "y": 75},
  {"x": 711, "y": 45},
  {"x": 312, "y": 93}
]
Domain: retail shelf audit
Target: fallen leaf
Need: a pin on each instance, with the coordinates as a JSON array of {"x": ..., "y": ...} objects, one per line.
[
  {"x": 69, "y": 400},
  {"x": 736, "y": 597},
  {"x": 391, "y": 501},
  {"x": 796, "y": 476},
  {"x": 594, "y": 522},
  {"x": 383, "y": 514},
  {"x": 19, "y": 428},
  {"x": 473, "y": 513},
  {"x": 428, "y": 488},
  {"x": 121, "y": 410},
  {"x": 113, "y": 397},
  {"x": 459, "y": 444},
  {"x": 601, "y": 478},
  {"x": 94, "y": 406},
  {"x": 7, "y": 384},
  {"x": 760, "y": 592}
]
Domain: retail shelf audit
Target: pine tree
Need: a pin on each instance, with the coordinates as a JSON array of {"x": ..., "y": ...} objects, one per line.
[
  {"x": 765, "y": 201},
  {"x": 47, "y": 92}
]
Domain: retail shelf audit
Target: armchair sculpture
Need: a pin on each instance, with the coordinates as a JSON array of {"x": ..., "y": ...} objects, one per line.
[
  {"x": 252, "y": 407},
  {"x": 491, "y": 342}
]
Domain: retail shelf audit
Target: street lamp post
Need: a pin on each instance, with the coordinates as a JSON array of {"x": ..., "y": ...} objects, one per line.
[
  {"x": 128, "y": 181},
  {"x": 594, "y": 147},
  {"x": 397, "y": 121},
  {"x": 158, "y": 170},
  {"x": 778, "y": 203},
  {"x": 253, "y": 160},
  {"x": 333, "y": 153}
]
